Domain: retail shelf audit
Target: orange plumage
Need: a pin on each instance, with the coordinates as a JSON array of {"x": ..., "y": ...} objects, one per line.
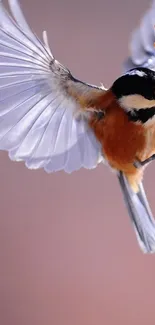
[{"x": 123, "y": 141}]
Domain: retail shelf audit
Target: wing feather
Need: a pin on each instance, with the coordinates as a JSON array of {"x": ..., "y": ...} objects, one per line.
[
  {"x": 141, "y": 46},
  {"x": 39, "y": 99}
]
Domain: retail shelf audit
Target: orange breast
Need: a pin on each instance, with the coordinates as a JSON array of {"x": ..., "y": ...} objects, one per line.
[{"x": 122, "y": 141}]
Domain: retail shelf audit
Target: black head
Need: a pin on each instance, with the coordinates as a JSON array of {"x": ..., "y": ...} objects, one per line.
[
  {"x": 135, "y": 92},
  {"x": 139, "y": 81}
]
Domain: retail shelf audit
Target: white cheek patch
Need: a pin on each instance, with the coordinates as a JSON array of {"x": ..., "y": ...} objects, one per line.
[{"x": 137, "y": 102}]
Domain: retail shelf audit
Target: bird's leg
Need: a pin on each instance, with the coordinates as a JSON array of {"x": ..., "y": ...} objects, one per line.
[{"x": 139, "y": 163}]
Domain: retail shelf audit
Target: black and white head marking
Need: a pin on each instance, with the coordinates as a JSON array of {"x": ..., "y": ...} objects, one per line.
[{"x": 135, "y": 92}]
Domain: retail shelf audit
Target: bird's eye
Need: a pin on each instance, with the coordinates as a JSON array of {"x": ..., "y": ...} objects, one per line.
[{"x": 99, "y": 115}]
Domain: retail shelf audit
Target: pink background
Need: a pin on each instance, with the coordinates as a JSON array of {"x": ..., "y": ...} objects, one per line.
[{"x": 68, "y": 253}]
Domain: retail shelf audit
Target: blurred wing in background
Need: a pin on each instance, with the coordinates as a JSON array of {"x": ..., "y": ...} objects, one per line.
[
  {"x": 141, "y": 47},
  {"x": 39, "y": 99}
]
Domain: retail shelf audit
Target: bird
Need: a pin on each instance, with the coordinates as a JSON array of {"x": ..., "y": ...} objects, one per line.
[{"x": 50, "y": 119}]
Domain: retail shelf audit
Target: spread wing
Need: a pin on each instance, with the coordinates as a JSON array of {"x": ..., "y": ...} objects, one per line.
[
  {"x": 141, "y": 47},
  {"x": 39, "y": 102}
]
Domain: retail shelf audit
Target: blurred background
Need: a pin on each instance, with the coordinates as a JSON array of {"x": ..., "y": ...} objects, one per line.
[{"x": 68, "y": 252}]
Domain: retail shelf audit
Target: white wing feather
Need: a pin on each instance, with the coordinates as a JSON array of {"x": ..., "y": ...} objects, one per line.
[{"x": 37, "y": 115}]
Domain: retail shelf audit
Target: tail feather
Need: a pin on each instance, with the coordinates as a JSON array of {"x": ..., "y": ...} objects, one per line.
[{"x": 140, "y": 214}]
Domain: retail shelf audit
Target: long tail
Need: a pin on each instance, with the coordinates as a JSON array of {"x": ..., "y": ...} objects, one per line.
[{"x": 140, "y": 214}]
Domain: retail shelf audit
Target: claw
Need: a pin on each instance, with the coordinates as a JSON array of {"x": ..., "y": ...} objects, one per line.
[{"x": 139, "y": 164}]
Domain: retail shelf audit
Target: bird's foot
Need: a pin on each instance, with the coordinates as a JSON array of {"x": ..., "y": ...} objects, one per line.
[{"x": 139, "y": 164}]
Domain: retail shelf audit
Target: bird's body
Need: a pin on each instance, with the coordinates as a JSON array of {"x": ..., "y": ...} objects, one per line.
[
  {"x": 123, "y": 141},
  {"x": 51, "y": 120}
]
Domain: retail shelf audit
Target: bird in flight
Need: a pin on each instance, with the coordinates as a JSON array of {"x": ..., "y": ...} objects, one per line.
[{"x": 51, "y": 120}]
